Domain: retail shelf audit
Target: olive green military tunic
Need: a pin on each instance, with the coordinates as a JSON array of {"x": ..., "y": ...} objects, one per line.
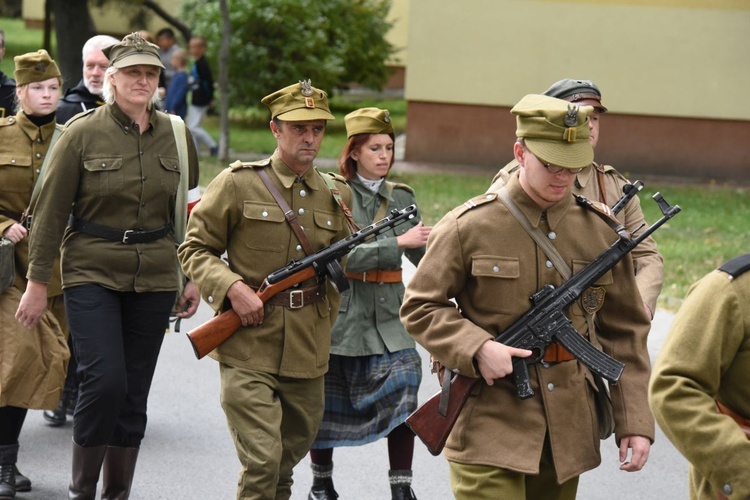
[
  {"x": 32, "y": 371},
  {"x": 705, "y": 356},
  {"x": 368, "y": 321},
  {"x": 114, "y": 176},
  {"x": 238, "y": 214},
  {"x": 649, "y": 265},
  {"x": 479, "y": 255}
]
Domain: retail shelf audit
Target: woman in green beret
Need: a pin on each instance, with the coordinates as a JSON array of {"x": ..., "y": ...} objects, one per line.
[
  {"x": 374, "y": 370},
  {"x": 32, "y": 364}
]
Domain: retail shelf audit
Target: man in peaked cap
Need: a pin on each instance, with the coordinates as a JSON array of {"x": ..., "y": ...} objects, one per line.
[
  {"x": 481, "y": 256},
  {"x": 605, "y": 184},
  {"x": 272, "y": 367}
]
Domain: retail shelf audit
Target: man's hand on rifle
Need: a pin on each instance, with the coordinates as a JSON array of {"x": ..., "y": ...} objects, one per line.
[
  {"x": 494, "y": 360},
  {"x": 246, "y": 303}
]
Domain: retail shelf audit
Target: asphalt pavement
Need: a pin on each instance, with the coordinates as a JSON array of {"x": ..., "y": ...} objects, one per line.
[{"x": 188, "y": 454}]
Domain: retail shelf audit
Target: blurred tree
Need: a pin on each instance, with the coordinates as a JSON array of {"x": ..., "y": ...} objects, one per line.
[{"x": 274, "y": 43}]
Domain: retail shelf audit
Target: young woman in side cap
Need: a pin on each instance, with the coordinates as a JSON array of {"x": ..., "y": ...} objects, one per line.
[
  {"x": 32, "y": 363},
  {"x": 374, "y": 371}
]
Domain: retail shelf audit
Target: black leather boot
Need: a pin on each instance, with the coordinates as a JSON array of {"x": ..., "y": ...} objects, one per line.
[
  {"x": 402, "y": 492},
  {"x": 7, "y": 482},
  {"x": 119, "y": 469},
  {"x": 322, "y": 487},
  {"x": 23, "y": 483},
  {"x": 65, "y": 406},
  {"x": 87, "y": 463}
]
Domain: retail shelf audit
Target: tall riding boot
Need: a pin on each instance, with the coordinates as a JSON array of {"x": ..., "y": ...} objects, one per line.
[
  {"x": 8, "y": 457},
  {"x": 401, "y": 485},
  {"x": 119, "y": 468},
  {"x": 322, "y": 487},
  {"x": 87, "y": 463}
]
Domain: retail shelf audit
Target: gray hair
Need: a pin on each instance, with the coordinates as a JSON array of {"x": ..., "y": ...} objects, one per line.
[
  {"x": 97, "y": 42},
  {"x": 108, "y": 92}
]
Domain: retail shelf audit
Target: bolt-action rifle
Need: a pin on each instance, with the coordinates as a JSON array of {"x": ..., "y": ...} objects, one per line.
[
  {"x": 543, "y": 324},
  {"x": 324, "y": 262}
]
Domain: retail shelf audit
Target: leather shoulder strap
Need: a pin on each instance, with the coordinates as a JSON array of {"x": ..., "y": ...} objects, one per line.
[
  {"x": 353, "y": 227},
  {"x": 736, "y": 266}
]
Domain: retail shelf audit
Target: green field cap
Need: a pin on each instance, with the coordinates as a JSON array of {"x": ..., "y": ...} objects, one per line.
[
  {"x": 368, "y": 121},
  {"x": 132, "y": 51},
  {"x": 582, "y": 92},
  {"x": 299, "y": 102},
  {"x": 555, "y": 131},
  {"x": 34, "y": 67}
]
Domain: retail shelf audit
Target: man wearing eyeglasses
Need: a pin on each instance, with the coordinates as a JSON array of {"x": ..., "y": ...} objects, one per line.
[
  {"x": 480, "y": 256},
  {"x": 603, "y": 183}
]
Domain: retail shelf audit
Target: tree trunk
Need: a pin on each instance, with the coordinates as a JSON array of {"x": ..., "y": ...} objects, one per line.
[
  {"x": 226, "y": 34},
  {"x": 73, "y": 26}
]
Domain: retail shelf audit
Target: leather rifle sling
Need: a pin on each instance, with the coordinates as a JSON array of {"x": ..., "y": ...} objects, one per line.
[{"x": 288, "y": 213}]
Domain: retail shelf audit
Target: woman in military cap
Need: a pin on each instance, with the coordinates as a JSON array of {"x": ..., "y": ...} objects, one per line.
[
  {"x": 374, "y": 371},
  {"x": 33, "y": 365},
  {"x": 122, "y": 168}
]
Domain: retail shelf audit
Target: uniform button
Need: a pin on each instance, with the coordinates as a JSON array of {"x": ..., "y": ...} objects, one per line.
[
  {"x": 727, "y": 489},
  {"x": 299, "y": 248},
  {"x": 552, "y": 235},
  {"x": 381, "y": 300},
  {"x": 381, "y": 284},
  {"x": 127, "y": 129},
  {"x": 301, "y": 211},
  {"x": 143, "y": 178},
  {"x": 264, "y": 214},
  {"x": 495, "y": 269},
  {"x": 13, "y": 160},
  {"x": 38, "y": 139},
  {"x": 39, "y": 155},
  {"x": 329, "y": 223},
  {"x": 104, "y": 165},
  {"x": 38, "y": 171},
  {"x": 302, "y": 193},
  {"x": 550, "y": 387},
  {"x": 549, "y": 264},
  {"x": 210, "y": 299},
  {"x": 489, "y": 196}
]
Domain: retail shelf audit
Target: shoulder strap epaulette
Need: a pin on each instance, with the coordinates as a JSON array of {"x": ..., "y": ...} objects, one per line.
[
  {"x": 473, "y": 203},
  {"x": 250, "y": 164},
  {"x": 736, "y": 266},
  {"x": 7, "y": 120},
  {"x": 398, "y": 185},
  {"x": 80, "y": 115}
]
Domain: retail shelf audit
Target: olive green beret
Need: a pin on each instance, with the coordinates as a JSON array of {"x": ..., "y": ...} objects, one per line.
[
  {"x": 132, "y": 51},
  {"x": 583, "y": 92},
  {"x": 555, "y": 131},
  {"x": 34, "y": 67},
  {"x": 368, "y": 121},
  {"x": 299, "y": 102}
]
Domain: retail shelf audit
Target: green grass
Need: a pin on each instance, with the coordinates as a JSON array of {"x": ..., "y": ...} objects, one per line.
[{"x": 19, "y": 40}]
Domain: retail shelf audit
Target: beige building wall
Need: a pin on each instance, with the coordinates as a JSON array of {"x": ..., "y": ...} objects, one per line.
[{"x": 674, "y": 74}]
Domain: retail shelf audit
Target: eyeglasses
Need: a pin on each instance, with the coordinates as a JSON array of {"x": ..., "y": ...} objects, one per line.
[{"x": 554, "y": 169}]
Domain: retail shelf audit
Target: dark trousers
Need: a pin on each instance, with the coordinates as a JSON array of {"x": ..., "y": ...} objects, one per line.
[
  {"x": 117, "y": 338},
  {"x": 11, "y": 422}
]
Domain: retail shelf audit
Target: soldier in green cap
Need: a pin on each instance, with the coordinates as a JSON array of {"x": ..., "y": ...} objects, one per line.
[
  {"x": 125, "y": 169},
  {"x": 272, "y": 367},
  {"x": 375, "y": 370},
  {"x": 605, "y": 184},
  {"x": 480, "y": 256},
  {"x": 32, "y": 363}
]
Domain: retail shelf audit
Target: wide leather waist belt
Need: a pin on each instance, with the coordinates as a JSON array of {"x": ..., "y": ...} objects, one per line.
[
  {"x": 556, "y": 353},
  {"x": 127, "y": 236},
  {"x": 298, "y": 297},
  {"x": 377, "y": 276}
]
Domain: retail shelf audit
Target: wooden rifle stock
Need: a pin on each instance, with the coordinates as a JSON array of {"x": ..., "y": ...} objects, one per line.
[
  {"x": 430, "y": 425},
  {"x": 215, "y": 331}
]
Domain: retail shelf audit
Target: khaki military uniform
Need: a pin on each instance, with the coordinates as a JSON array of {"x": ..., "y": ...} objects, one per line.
[
  {"x": 604, "y": 184},
  {"x": 32, "y": 373},
  {"x": 271, "y": 374},
  {"x": 706, "y": 356},
  {"x": 100, "y": 170},
  {"x": 479, "y": 255}
]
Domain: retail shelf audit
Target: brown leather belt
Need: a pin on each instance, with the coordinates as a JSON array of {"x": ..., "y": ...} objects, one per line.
[
  {"x": 743, "y": 422},
  {"x": 298, "y": 297},
  {"x": 556, "y": 353},
  {"x": 377, "y": 276}
]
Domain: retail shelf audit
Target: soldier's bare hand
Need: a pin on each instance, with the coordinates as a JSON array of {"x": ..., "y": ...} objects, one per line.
[
  {"x": 246, "y": 304},
  {"x": 189, "y": 300},
  {"x": 415, "y": 237},
  {"x": 32, "y": 305},
  {"x": 639, "y": 448},
  {"x": 15, "y": 233},
  {"x": 494, "y": 360}
]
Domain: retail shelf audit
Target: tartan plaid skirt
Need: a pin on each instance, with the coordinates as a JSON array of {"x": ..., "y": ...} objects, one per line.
[{"x": 367, "y": 397}]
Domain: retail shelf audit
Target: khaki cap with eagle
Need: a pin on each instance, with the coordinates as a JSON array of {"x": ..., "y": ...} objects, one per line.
[
  {"x": 555, "y": 131},
  {"x": 35, "y": 67},
  {"x": 132, "y": 51},
  {"x": 368, "y": 121},
  {"x": 299, "y": 102}
]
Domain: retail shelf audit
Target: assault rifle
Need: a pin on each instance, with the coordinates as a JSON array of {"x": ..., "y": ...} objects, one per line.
[
  {"x": 215, "y": 331},
  {"x": 543, "y": 324}
]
